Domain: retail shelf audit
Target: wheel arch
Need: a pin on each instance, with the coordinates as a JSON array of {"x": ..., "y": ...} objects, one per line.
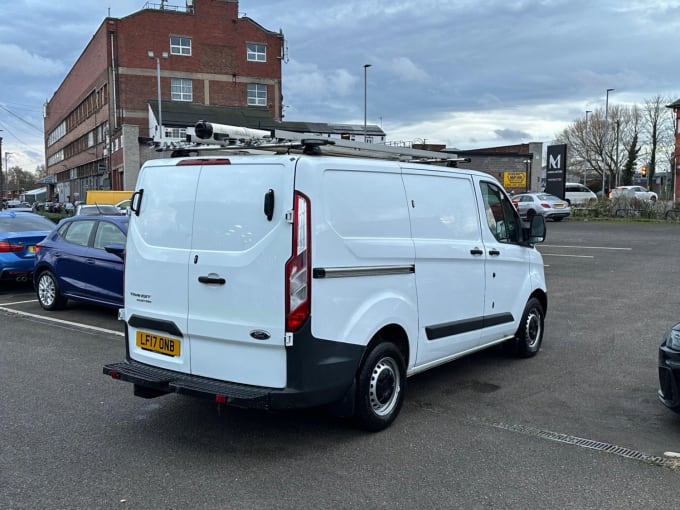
[
  {"x": 395, "y": 334},
  {"x": 542, "y": 298}
]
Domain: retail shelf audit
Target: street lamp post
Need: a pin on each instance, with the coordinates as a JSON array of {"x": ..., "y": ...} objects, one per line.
[
  {"x": 585, "y": 168},
  {"x": 366, "y": 66},
  {"x": 158, "y": 84},
  {"x": 604, "y": 143},
  {"x": 7, "y": 167},
  {"x": 527, "y": 166}
]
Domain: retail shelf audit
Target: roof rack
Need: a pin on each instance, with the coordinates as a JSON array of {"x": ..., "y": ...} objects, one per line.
[{"x": 221, "y": 137}]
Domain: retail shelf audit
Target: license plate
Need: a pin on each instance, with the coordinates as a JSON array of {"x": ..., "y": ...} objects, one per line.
[
  {"x": 158, "y": 343},
  {"x": 559, "y": 206}
]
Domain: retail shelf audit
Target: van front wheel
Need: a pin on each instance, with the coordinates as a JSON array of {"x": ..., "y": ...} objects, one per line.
[
  {"x": 380, "y": 387},
  {"x": 529, "y": 334}
]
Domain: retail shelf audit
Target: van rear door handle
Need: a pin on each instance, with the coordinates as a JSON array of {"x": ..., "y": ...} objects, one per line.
[
  {"x": 476, "y": 251},
  {"x": 212, "y": 279}
]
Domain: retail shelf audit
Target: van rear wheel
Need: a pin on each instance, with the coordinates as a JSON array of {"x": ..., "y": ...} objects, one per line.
[{"x": 380, "y": 387}]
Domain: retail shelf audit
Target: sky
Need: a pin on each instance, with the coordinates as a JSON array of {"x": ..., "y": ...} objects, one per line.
[{"x": 465, "y": 73}]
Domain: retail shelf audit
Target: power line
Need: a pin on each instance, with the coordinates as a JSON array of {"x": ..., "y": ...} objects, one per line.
[{"x": 21, "y": 118}]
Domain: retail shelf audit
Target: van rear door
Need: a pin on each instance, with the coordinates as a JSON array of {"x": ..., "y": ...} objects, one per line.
[
  {"x": 156, "y": 261},
  {"x": 236, "y": 280}
]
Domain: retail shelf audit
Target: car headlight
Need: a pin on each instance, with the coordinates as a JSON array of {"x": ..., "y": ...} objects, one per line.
[{"x": 673, "y": 339}]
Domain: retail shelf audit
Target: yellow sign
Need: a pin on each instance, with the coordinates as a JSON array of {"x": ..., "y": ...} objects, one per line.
[{"x": 514, "y": 180}]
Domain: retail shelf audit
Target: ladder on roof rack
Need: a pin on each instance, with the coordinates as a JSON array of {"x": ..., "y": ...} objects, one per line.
[{"x": 211, "y": 136}]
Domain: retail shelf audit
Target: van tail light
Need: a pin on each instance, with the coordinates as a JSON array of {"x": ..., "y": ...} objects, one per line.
[{"x": 298, "y": 272}]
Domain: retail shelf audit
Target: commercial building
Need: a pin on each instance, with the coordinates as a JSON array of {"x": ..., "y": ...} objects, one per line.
[{"x": 101, "y": 123}]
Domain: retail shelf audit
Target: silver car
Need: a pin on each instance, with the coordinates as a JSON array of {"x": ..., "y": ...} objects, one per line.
[{"x": 545, "y": 204}]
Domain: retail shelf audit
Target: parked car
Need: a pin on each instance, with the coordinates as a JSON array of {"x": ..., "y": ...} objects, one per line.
[
  {"x": 89, "y": 209},
  {"x": 669, "y": 369},
  {"x": 576, "y": 193},
  {"x": 82, "y": 259},
  {"x": 18, "y": 206},
  {"x": 545, "y": 204},
  {"x": 19, "y": 234},
  {"x": 124, "y": 205},
  {"x": 630, "y": 192}
]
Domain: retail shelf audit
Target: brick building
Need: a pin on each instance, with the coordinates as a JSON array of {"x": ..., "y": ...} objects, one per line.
[
  {"x": 99, "y": 121},
  {"x": 676, "y": 156},
  {"x": 508, "y": 162}
]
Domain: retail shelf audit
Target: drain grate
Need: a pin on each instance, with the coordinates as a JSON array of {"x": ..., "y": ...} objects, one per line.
[{"x": 588, "y": 443}]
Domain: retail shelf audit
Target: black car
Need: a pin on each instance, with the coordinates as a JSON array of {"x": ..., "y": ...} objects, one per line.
[{"x": 669, "y": 369}]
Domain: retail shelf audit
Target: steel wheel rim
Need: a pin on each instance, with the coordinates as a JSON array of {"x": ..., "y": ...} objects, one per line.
[
  {"x": 533, "y": 328},
  {"x": 384, "y": 386},
  {"x": 47, "y": 290}
]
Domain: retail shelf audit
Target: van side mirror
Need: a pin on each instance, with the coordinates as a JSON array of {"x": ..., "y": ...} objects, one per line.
[{"x": 536, "y": 231}]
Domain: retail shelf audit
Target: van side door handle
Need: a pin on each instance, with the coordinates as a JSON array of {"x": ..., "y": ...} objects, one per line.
[
  {"x": 494, "y": 252},
  {"x": 476, "y": 251},
  {"x": 212, "y": 279}
]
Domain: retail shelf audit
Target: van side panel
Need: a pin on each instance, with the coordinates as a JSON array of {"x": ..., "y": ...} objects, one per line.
[
  {"x": 362, "y": 242},
  {"x": 157, "y": 260},
  {"x": 450, "y": 262}
]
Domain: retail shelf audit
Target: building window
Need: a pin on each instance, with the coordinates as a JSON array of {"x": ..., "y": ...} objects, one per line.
[
  {"x": 257, "y": 52},
  {"x": 181, "y": 89},
  {"x": 180, "y": 45},
  {"x": 179, "y": 133},
  {"x": 257, "y": 94}
]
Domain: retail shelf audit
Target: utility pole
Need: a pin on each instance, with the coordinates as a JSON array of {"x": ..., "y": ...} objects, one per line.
[
  {"x": 366, "y": 66},
  {"x": 604, "y": 142},
  {"x": 585, "y": 169}
]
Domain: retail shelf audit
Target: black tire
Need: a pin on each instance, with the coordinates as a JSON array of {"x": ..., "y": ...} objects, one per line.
[
  {"x": 559, "y": 218},
  {"x": 381, "y": 384},
  {"x": 48, "y": 293},
  {"x": 529, "y": 335}
]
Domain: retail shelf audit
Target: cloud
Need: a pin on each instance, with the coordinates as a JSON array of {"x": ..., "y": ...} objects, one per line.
[
  {"x": 405, "y": 69},
  {"x": 19, "y": 61}
]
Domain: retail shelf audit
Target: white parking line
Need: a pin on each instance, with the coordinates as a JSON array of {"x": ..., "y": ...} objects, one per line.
[
  {"x": 20, "y": 302},
  {"x": 61, "y": 321}
]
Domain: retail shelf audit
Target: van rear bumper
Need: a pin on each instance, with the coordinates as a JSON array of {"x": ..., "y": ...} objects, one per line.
[
  {"x": 162, "y": 381},
  {"x": 318, "y": 372}
]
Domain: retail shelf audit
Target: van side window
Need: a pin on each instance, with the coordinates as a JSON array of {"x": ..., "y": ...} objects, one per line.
[{"x": 500, "y": 214}]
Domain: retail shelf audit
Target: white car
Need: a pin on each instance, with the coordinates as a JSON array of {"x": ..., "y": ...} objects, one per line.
[
  {"x": 638, "y": 192},
  {"x": 576, "y": 193}
]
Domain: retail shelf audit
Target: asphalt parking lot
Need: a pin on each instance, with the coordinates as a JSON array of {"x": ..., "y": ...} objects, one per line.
[{"x": 578, "y": 426}]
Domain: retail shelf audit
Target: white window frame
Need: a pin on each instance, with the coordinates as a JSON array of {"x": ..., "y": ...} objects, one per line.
[
  {"x": 256, "y": 52},
  {"x": 257, "y": 94},
  {"x": 180, "y": 45},
  {"x": 181, "y": 89}
]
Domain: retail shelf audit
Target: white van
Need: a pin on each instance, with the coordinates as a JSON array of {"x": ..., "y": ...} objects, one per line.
[
  {"x": 578, "y": 194},
  {"x": 285, "y": 281}
]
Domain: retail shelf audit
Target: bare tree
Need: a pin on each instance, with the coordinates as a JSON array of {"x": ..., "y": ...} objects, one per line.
[
  {"x": 658, "y": 132},
  {"x": 595, "y": 155}
]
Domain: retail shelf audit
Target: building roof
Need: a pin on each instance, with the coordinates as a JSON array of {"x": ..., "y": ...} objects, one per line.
[{"x": 183, "y": 114}]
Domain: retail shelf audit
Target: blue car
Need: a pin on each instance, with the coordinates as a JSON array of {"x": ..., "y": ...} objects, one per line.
[
  {"x": 82, "y": 260},
  {"x": 19, "y": 234}
]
